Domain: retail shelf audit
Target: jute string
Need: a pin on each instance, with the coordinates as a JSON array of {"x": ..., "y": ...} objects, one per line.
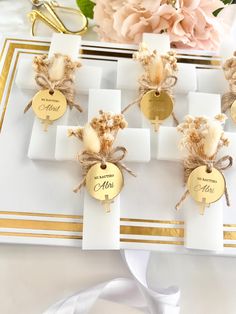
[
  {"x": 88, "y": 159},
  {"x": 65, "y": 85},
  {"x": 230, "y": 74},
  {"x": 145, "y": 86},
  {"x": 193, "y": 162}
]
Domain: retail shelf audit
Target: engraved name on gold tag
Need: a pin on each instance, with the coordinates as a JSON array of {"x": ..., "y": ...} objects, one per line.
[
  {"x": 206, "y": 187},
  {"x": 49, "y": 106},
  {"x": 233, "y": 111},
  {"x": 104, "y": 183},
  {"x": 156, "y": 107}
]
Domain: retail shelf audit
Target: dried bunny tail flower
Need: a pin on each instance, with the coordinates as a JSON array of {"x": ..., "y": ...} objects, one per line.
[
  {"x": 90, "y": 139},
  {"x": 156, "y": 70},
  {"x": 212, "y": 138},
  {"x": 56, "y": 68}
]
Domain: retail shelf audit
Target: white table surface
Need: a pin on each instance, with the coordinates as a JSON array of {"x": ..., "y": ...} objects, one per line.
[{"x": 34, "y": 277}]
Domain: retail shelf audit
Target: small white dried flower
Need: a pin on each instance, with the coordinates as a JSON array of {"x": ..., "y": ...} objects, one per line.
[
  {"x": 110, "y": 123},
  {"x": 108, "y": 137}
]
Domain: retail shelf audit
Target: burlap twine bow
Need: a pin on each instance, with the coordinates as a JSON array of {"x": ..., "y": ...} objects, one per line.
[
  {"x": 65, "y": 85},
  {"x": 88, "y": 159},
  {"x": 145, "y": 86},
  {"x": 193, "y": 162},
  {"x": 229, "y": 68}
]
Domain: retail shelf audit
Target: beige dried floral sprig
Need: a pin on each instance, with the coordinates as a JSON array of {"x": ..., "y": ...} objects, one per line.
[
  {"x": 157, "y": 67},
  {"x": 102, "y": 129},
  {"x": 229, "y": 68},
  {"x": 57, "y": 67},
  {"x": 98, "y": 138},
  {"x": 203, "y": 137},
  {"x": 56, "y": 73}
]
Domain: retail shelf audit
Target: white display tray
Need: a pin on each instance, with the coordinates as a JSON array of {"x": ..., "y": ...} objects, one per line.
[{"x": 37, "y": 203}]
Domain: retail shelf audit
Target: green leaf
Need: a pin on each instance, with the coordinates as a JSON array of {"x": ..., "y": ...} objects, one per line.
[
  {"x": 225, "y": 2},
  {"x": 86, "y": 7}
]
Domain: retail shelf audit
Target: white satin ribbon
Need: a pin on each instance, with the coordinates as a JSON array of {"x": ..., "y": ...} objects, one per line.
[{"x": 131, "y": 292}]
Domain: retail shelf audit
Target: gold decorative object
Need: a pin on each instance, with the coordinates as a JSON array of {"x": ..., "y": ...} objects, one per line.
[
  {"x": 49, "y": 106},
  {"x": 51, "y": 18},
  {"x": 104, "y": 183},
  {"x": 205, "y": 186},
  {"x": 156, "y": 107}
]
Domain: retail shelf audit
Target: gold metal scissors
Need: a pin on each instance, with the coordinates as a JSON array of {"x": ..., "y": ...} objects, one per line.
[{"x": 54, "y": 21}]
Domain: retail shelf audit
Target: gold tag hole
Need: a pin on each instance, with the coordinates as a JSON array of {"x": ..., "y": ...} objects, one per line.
[
  {"x": 51, "y": 92},
  {"x": 103, "y": 166},
  {"x": 157, "y": 94}
]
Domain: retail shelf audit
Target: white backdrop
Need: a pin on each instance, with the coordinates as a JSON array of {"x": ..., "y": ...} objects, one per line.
[{"x": 34, "y": 277}]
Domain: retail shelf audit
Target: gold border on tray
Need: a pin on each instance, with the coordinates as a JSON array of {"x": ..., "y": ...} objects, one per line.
[{"x": 172, "y": 229}]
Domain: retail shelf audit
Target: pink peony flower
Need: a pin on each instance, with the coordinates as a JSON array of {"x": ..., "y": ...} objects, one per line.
[
  {"x": 126, "y": 21},
  {"x": 194, "y": 26},
  {"x": 191, "y": 26}
]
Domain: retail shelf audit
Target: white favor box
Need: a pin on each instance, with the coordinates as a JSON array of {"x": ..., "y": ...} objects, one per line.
[
  {"x": 42, "y": 144},
  {"x": 68, "y": 148},
  {"x": 101, "y": 230},
  {"x": 214, "y": 81},
  {"x": 210, "y": 235},
  {"x": 211, "y": 223},
  {"x": 129, "y": 71},
  {"x": 205, "y": 104}
]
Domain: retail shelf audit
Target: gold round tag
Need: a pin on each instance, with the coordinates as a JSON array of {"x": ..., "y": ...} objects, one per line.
[
  {"x": 233, "y": 111},
  {"x": 104, "y": 184},
  {"x": 156, "y": 106},
  {"x": 207, "y": 187},
  {"x": 49, "y": 106}
]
